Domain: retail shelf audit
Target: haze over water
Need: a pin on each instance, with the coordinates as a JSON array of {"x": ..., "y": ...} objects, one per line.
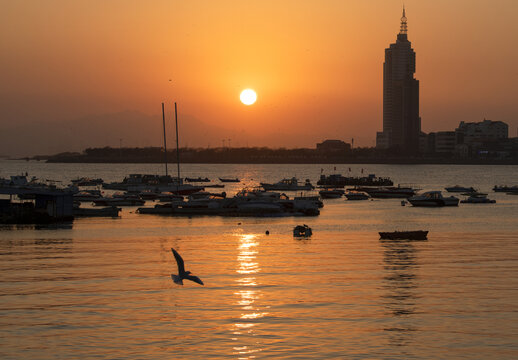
[{"x": 102, "y": 287}]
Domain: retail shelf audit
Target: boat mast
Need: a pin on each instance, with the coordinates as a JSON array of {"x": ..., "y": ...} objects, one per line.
[
  {"x": 177, "y": 147},
  {"x": 165, "y": 144}
]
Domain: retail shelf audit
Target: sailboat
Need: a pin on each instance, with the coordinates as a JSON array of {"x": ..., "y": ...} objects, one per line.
[
  {"x": 156, "y": 183},
  {"x": 175, "y": 185}
]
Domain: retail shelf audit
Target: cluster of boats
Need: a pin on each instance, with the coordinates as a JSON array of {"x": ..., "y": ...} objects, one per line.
[
  {"x": 247, "y": 202},
  {"x": 337, "y": 180},
  {"x": 172, "y": 196}
]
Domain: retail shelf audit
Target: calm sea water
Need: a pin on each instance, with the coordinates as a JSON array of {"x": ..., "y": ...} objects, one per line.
[{"x": 102, "y": 288}]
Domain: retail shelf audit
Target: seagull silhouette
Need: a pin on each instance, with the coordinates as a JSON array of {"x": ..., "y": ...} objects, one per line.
[{"x": 182, "y": 274}]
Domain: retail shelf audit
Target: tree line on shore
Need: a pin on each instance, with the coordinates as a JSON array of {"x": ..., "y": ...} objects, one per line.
[{"x": 252, "y": 155}]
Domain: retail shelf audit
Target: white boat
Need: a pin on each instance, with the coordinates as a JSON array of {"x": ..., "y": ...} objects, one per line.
[
  {"x": 478, "y": 199},
  {"x": 433, "y": 198},
  {"x": 109, "y": 211},
  {"x": 389, "y": 192},
  {"x": 357, "y": 195},
  {"x": 288, "y": 185}
]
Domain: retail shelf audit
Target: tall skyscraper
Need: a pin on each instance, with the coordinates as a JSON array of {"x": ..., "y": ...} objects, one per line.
[{"x": 401, "y": 121}]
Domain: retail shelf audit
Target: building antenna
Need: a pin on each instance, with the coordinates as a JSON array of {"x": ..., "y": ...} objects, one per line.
[{"x": 404, "y": 28}]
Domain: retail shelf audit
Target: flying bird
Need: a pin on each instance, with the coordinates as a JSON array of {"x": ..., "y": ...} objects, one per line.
[{"x": 182, "y": 274}]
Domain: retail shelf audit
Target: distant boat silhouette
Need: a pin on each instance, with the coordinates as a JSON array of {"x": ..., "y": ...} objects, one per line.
[{"x": 182, "y": 274}]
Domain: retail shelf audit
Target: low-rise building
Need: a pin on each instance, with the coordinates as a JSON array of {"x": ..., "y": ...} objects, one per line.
[
  {"x": 445, "y": 142},
  {"x": 333, "y": 145}
]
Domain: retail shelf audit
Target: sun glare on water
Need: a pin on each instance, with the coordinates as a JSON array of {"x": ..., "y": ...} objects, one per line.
[{"x": 248, "y": 96}]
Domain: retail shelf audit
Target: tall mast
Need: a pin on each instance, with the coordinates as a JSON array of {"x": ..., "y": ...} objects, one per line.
[
  {"x": 165, "y": 144},
  {"x": 177, "y": 147}
]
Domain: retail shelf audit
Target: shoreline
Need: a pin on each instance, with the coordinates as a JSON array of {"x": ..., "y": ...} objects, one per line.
[{"x": 391, "y": 161}]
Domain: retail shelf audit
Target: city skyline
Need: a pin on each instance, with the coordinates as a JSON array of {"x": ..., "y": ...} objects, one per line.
[{"x": 90, "y": 74}]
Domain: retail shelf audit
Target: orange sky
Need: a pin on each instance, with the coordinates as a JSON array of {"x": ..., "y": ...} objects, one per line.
[{"x": 316, "y": 67}]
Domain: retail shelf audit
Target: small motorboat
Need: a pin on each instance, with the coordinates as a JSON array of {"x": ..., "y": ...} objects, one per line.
[
  {"x": 288, "y": 185},
  {"x": 356, "y": 195},
  {"x": 169, "y": 197},
  {"x": 505, "y": 188},
  {"x": 87, "y": 195},
  {"x": 109, "y": 211},
  {"x": 166, "y": 208},
  {"x": 460, "y": 189},
  {"x": 302, "y": 231},
  {"x": 478, "y": 199},
  {"x": 404, "y": 235},
  {"x": 148, "y": 195},
  {"x": 120, "y": 200},
  {"x": 331, "y": 193},
  {"x": 84, "y": 181},
  {"x": 198, "y": 179},
  {"x": 389, "y": 192},
  {"x": 229, "y": 180}
]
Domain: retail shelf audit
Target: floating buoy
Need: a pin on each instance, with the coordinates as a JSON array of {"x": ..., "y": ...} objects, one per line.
[{"x": 267, "y": 232}]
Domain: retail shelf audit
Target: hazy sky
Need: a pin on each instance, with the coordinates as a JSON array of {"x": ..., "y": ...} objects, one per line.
[{"x": 316, "y": 66}]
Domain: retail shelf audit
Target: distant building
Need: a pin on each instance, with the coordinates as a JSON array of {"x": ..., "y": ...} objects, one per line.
[
  {"x": 471, "y": 140},
  {"x": 445, "y": 142},
  {"x": 333, "y": 145},
  {"x": 479, "y": 132},
  {"x": 401, "y": 121}
]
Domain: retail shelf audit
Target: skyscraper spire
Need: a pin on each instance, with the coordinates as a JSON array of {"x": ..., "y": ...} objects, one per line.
[{"x": 403, "y": 29}]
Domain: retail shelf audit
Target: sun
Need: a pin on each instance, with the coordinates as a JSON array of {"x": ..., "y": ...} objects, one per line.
[{"x": 248, "y": 96}]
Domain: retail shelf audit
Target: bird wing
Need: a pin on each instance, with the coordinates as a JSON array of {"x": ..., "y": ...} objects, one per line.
[
  {"x": 179, "y": 261},
  {"x": 194, "y": 278}
]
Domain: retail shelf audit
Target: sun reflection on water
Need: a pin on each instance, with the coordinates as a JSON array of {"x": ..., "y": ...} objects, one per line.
[{"x": 247, "y": 296}]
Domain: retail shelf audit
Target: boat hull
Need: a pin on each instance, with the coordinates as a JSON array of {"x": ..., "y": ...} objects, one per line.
[
  {"x": 434, "y": 202},
  {"x": 404, "y": 235}
]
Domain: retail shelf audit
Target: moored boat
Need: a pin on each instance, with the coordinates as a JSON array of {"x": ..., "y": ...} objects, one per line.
[
  {"x": 478, "y": 199},
  {"x": 198, "y": 179},
  {"x": 288, "y": 185},
  {"x": 331, "y": 193},
  {"x": 162, "y": 209},
  {"x": 460, "y": 189},
  {"x": 119, "y": 201},
  {"x": 505, "y": 188},
  {"x": 356, "y": 195},
  {"x": 229, "y": 180},
  {"x": 109, "y": 211},
  {"x": 339, "y": 180},
  {"x": 389, "y": 192},
  {"x": 433, "y": 199},
  {"x": 302, "y": 231},
  {"x": 84, "y": 181},
  {"x": 87, "y": 196}
]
